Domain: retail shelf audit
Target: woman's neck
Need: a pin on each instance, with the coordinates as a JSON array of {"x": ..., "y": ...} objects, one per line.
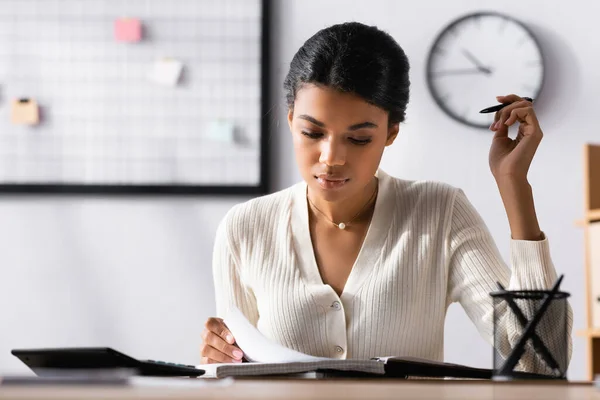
[{"x": 345, "y": 210}]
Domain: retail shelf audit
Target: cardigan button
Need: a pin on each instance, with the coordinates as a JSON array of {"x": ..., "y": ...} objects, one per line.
[
  {"x": 338, "y": 349},
  {"x": 336, "y": 306}
]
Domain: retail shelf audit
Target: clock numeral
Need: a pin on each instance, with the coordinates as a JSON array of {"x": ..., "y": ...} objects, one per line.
[
  {"x": 503, "y": 25},
  {"x": 444, "y": 98},
  {"x": 536, "y": 63},
  {"x": 523, "y": 40},
  {"x": 528, "y": 88},
  {"x": 438, "y": 50}
]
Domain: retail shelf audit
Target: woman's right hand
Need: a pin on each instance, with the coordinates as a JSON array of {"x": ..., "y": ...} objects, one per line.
[{"x": 218, "y": 346}]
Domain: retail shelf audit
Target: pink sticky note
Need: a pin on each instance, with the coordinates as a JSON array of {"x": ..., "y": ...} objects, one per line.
[{"x": 128, "y": 30}]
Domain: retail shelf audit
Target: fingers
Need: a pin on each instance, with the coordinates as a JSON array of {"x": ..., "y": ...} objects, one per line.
[
  {"x": 216, "y": 342},
  {"x": 218, "y": 346},
  {"x": 501, "y": 118},
  {"x": 210, "y": 355},
  {"x": 505, "y": 113},
  {"x": 511, "y": 98},
  {"x": 218, "y": 327},
  {"x": 524, "y": 114}
]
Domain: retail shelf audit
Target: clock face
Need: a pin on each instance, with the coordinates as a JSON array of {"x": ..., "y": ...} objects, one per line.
[{"x": 481, "y": 56}]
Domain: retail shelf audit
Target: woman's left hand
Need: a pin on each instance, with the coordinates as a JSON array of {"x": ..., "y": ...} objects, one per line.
[{"x": 510, "y": 158}]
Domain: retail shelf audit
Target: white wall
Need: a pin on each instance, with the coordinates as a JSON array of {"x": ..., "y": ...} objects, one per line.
[{"x": 135, "y": 273}]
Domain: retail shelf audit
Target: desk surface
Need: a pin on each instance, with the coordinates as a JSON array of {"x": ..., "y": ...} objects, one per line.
[{"x": 321, "y": 389}]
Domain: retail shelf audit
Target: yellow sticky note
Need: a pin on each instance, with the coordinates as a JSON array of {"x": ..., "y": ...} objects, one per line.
[
  {"x": 166, "y": 71},
  {"x": 24, "y": 112}
]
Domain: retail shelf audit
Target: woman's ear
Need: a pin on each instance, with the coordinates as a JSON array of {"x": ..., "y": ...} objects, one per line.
[
  {"x": 290, "y": 117},
  {"x": 392, "y": 133}
]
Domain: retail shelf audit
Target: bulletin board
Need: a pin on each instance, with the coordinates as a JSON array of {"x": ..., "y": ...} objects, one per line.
[{"x": 108, "y": 122}]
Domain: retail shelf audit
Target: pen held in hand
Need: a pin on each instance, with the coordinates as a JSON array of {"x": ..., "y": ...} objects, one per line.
[{"x": 500, "y": 106}]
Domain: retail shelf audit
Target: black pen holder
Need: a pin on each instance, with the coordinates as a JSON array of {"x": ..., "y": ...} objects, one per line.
[{"x": 531, "y": 334}]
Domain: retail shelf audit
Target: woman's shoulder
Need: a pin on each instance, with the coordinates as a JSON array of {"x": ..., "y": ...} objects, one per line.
[
  {"x": 257, "y": 212},
  {"x": 424, "y": 190}
]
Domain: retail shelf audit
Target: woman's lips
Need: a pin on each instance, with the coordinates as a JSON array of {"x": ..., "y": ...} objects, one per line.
[{"x": 331, "y": 183}]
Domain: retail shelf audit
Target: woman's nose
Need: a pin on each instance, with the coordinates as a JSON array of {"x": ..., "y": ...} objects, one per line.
[{"x": 333, "y": 153}]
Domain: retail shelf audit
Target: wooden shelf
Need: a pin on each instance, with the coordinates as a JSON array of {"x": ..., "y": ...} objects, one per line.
[
  {"x": 590, "y": 216},
  {"x": 593, "y": 215},
  {"x": 591, "y": 162},
  {"x": 594, "y": 333},
  {"x": 591, "y": 223}
]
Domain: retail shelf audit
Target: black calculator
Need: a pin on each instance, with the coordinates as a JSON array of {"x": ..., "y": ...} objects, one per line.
[{"x": 85, "y": 358}]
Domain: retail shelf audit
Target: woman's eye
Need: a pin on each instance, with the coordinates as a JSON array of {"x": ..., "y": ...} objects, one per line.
[
  {"x": 312, "y": 135},
  {"x": 360, "y": 142},
  {"x": 317, "y": 135}
]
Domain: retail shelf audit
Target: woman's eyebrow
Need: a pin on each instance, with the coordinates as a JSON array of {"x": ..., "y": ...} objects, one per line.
[
  {"x": 312, "y": 120},
  {"x": 354, "y": 127},
  {"x": 362, "y": 125}
]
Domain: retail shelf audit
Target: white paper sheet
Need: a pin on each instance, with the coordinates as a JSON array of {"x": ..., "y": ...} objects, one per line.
[{"x": 258, "y": 348}]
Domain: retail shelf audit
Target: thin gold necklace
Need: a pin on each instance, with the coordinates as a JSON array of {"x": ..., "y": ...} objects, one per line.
[{"x": 344, "y": 225}]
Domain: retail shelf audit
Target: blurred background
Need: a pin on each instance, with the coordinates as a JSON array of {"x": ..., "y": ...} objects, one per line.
[{"x": 134, "y": 272}]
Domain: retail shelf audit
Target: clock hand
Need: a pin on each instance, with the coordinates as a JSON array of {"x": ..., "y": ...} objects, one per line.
[
  {"x": 466, "y": 71},
  {"x": 475, "y": 61}
]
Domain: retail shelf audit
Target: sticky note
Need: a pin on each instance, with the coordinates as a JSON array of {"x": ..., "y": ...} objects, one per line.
[
  {"x": 24, "y": 112},
  {"x": 221, "y": 130},
  {"x": 166, "y": 72},
  {"x": 128, "y": 30}
]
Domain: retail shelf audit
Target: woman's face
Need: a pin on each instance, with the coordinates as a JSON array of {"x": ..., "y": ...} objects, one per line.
[{"x": 339, "y": 139}]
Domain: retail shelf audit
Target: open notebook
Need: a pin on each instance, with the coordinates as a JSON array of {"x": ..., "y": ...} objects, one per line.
[{"x": 269, "y": 358}]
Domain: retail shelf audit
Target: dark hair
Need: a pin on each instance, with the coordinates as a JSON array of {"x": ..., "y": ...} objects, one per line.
[{"x": 355, "y": 58}]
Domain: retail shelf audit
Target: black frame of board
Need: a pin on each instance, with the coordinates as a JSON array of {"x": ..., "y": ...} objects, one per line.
[{"x": 134, "y": 189}]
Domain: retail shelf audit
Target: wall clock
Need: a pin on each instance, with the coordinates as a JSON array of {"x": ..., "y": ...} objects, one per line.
[{"x": 478, "y": 57}]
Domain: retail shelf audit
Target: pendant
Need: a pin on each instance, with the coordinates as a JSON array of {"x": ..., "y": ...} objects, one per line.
[{"x": 342, "y": 225}]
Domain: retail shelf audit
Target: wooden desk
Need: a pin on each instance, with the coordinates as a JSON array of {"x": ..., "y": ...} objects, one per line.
[{"x": 323, "y": 389}]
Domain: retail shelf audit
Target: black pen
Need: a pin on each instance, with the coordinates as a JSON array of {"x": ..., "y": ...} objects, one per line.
[{"x": 500, "y": 106}]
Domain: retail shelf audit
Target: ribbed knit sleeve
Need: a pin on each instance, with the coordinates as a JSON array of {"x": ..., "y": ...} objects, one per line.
[
  {"x": 229, "y": 289},
  {"x": 474, "y": 267},
  {"x": 532, "y": 265}
]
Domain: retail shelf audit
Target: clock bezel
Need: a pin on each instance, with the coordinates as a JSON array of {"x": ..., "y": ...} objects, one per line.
[{"x": 446, "y": 30}]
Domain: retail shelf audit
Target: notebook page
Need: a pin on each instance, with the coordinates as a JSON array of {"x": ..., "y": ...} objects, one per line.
[{"x": 258, "y": 348}]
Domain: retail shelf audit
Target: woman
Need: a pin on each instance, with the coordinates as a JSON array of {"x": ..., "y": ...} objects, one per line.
[{"x": 354, "y": 263}]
